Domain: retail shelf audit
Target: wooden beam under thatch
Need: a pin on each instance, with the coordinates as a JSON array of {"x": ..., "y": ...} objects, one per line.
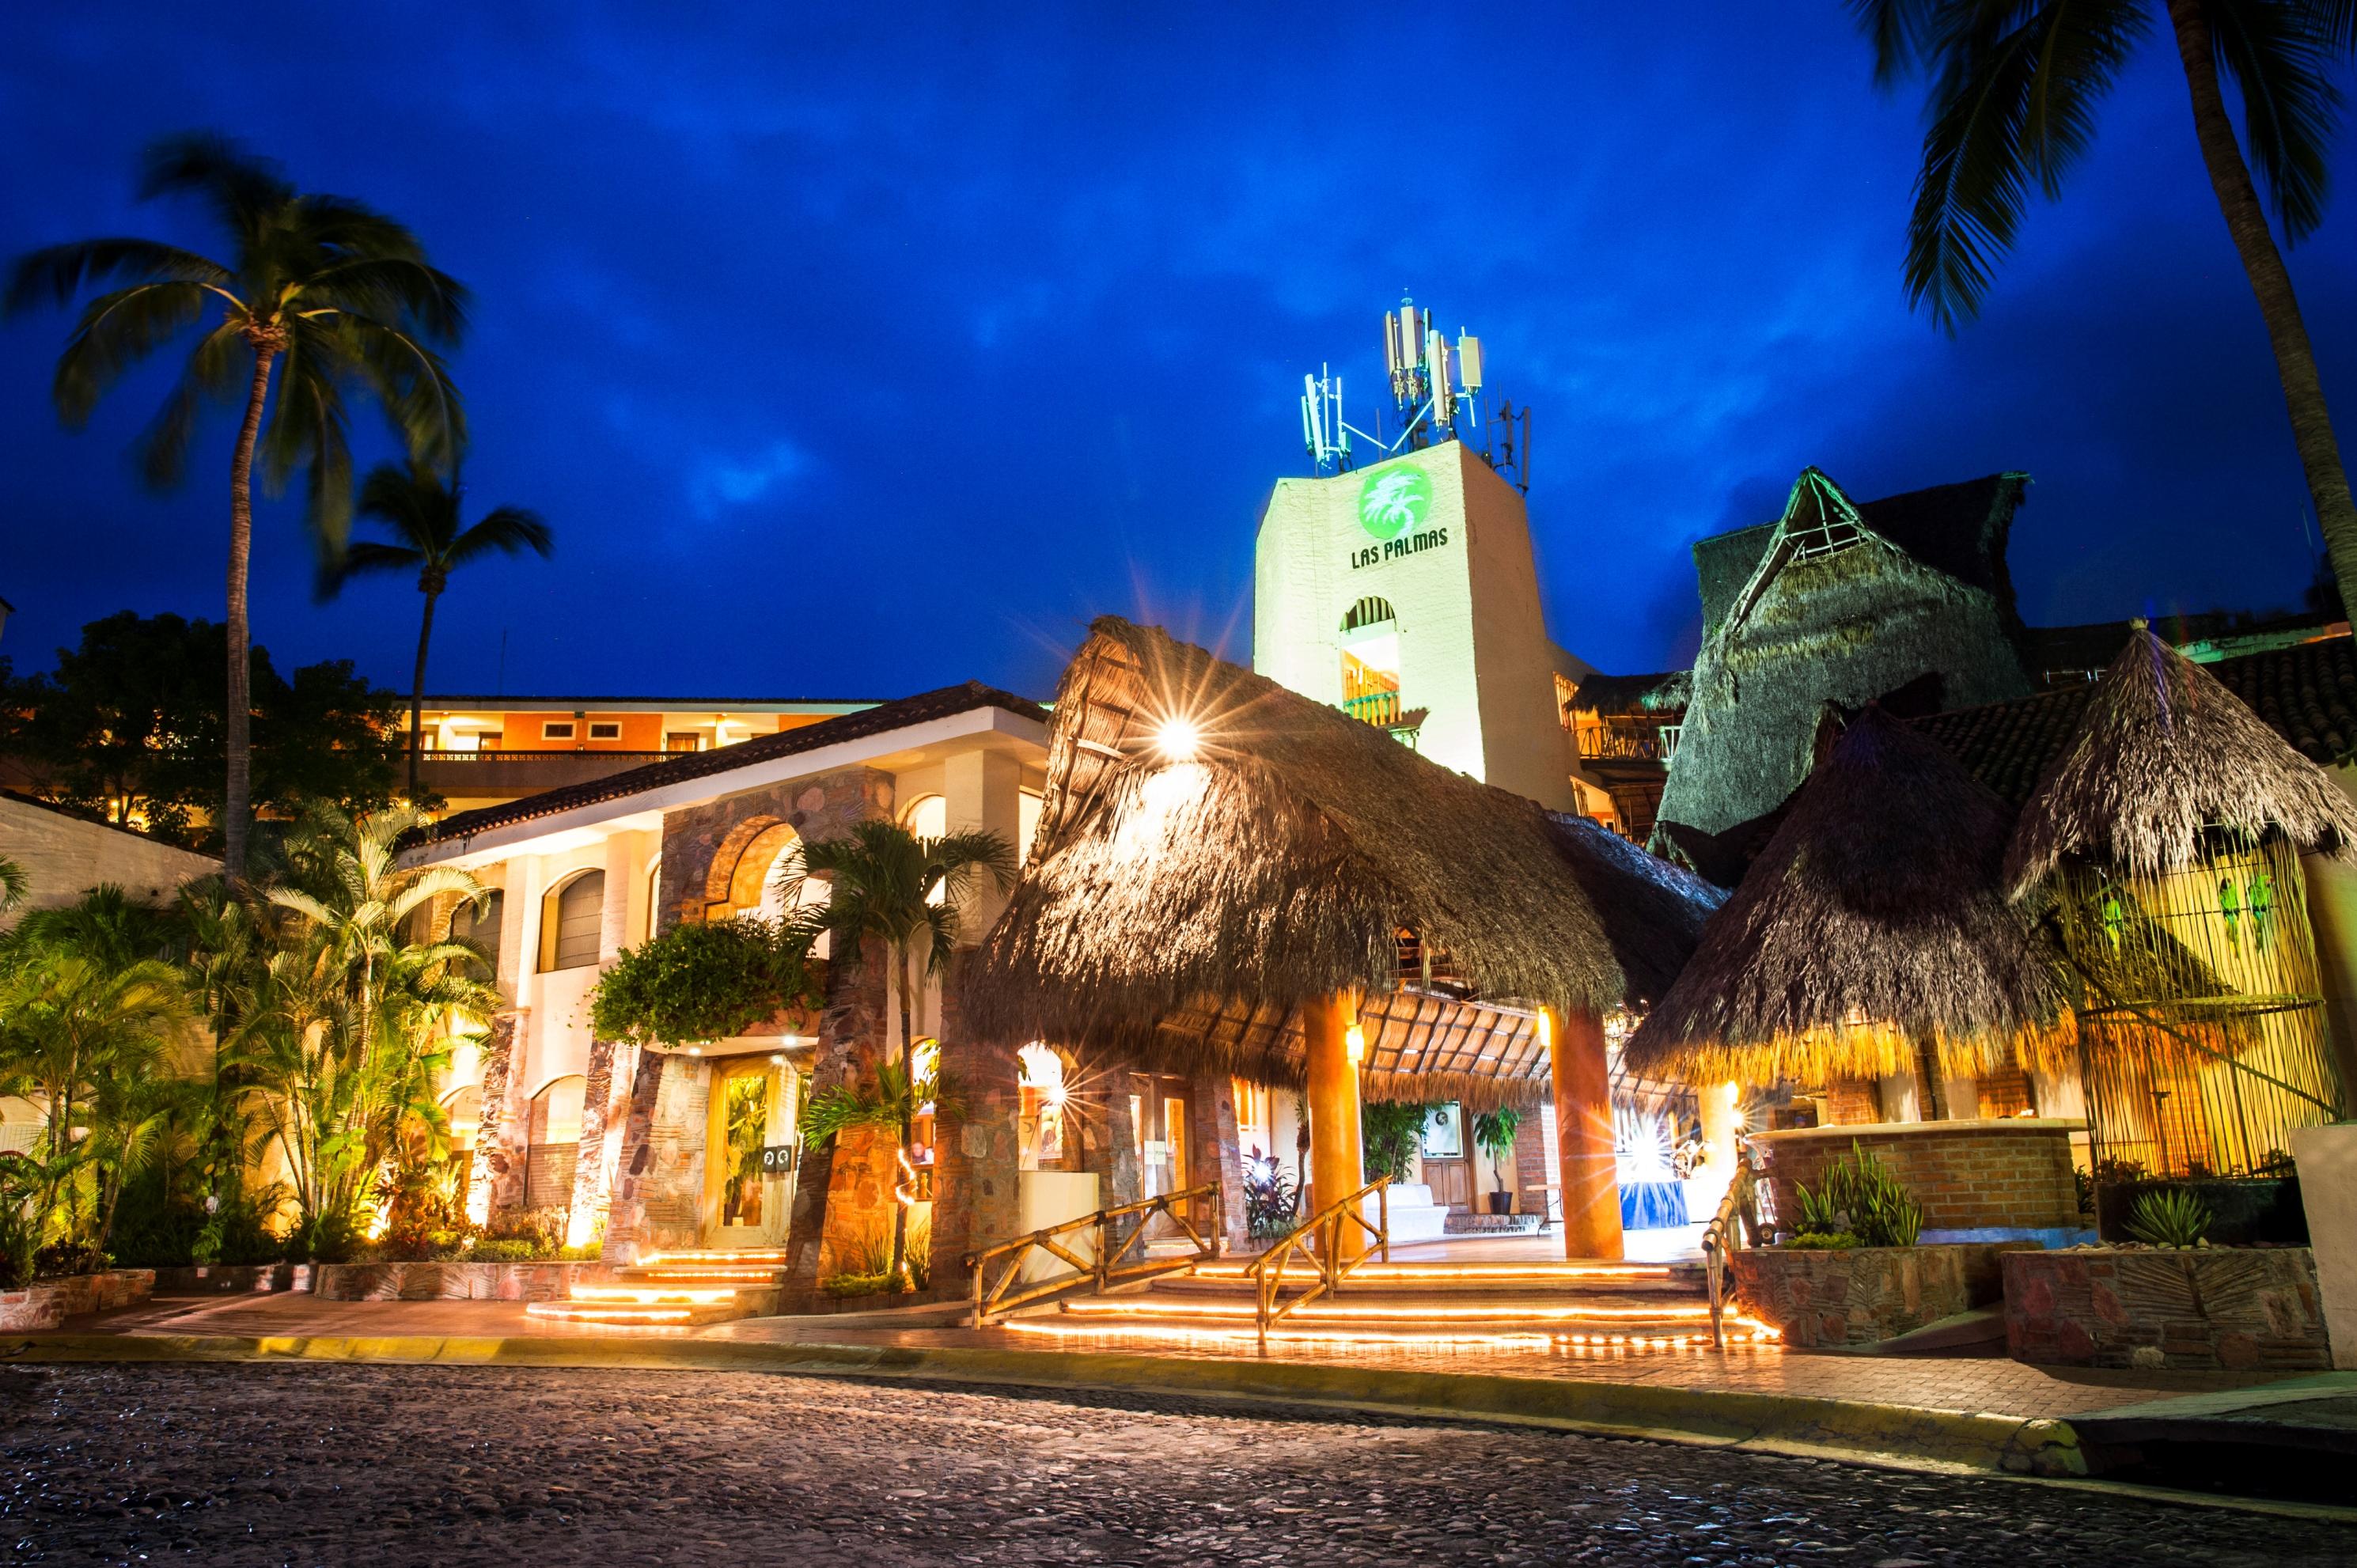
[
  {"x": 2163, "y": 752},
  {"x": 1281, "y": 858},
  {"x": 1874, "y": 919}
]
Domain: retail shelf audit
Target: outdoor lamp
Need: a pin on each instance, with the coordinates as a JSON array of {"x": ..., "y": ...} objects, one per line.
[
  {"x": 1178, "y": 738},
  {"x": 1354, "y": 1043}
]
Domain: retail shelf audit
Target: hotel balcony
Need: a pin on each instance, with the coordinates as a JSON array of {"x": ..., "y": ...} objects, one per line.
[
  {"x": 467, "y": 779},
  {"x": 1627, "y": 740},
  {"x": 1382, "y": 710}
]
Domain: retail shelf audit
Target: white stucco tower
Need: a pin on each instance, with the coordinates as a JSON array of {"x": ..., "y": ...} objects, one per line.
[{"x": 1406, "y": 593}]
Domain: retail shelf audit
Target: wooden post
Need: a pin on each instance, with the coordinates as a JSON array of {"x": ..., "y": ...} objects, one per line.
[
  {"x": 1583, "y": 1119},
  {"x": 1336, "y": 1165}
]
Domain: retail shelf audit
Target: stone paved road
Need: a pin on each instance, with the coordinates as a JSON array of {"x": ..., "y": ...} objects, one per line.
[{"x": 391, "y": 1465}]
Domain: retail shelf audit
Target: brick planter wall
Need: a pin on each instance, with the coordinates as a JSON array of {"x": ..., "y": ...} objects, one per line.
[
  {"x": 1967, "y": 1176},
  {"x": 2211, "y": 1307},
  {"x": 47, "y": 1304},
  {"x": 451, "y": 1281},
  {"x": 1862, "y": 1295}
]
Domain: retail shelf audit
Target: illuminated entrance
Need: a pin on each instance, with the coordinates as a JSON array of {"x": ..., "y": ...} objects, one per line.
[{"x": 750, "y": 1142}]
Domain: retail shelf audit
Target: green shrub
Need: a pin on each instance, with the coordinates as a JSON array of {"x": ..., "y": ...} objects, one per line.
[
  {"x": 2171, "y": 1217},
  {"x": 1859, "y": 1196},
  {"x": 840, "y": 1285},
  {"x": 1838, "y": 1241},
  {"x": 703, "y": 982}
]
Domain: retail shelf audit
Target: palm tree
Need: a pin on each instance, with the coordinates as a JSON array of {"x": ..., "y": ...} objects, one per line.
[
  {"x": 337, "y": 295},
  {"x": 422, "y": 513},
  {"x": 350, "y": 1023},
  {"x": 904, "y": 891},
  {"x": 2013, "y": 88}
]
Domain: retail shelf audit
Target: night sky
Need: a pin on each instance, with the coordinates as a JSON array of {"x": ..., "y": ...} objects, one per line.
[{"x": 856, "y": 350}]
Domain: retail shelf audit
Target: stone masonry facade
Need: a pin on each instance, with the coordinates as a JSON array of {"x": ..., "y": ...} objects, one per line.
[{"x": 2230, "y": 1308}]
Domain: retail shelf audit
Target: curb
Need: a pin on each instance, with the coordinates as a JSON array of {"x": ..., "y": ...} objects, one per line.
[{"x": 1953, "y": 1441}]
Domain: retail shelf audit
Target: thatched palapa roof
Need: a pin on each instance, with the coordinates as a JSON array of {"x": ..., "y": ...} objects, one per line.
[
  {"x": 1875, "y": 918},
  {"x": 1179, "y": 910},
  {"x": 2163, "y": 750}
]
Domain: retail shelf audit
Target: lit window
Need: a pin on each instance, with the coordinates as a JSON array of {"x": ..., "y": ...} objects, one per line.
[{"x": 572, "y": 918}]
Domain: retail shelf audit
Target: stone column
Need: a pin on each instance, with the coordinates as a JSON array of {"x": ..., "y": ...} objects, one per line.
[
  {"x": 633, "y": 1153},
  {"x": 2332, "y": 899},
  {"x": 977, "y": 1154},
  {"x": 1218, "y": 1153},
  {"x": 1534, "y": 1163},
  {"x": 1109, "y": 1135},
  {"x": 605, "y": 1111},
  {"x": 1583, "y": 1115},
  {"x": 850, "y": 1042},
  {"x": 1337, "y": 1162},
  {"x": 495, "y": 1170}
]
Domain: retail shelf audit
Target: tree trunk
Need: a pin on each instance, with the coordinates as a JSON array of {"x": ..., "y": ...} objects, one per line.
[
  {"x": 417, "y": 692},
  {"x": 237, "y": 797},
  {"x": 2246, "y": 220}
]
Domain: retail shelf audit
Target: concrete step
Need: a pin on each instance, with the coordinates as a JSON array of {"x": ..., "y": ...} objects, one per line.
[
  {"x": 628, "y": 1315},
  {"x": 1392, "y": 1313},
  {"x": 1486, "y": 1281},
  {"x": 692, "y": 1274}
]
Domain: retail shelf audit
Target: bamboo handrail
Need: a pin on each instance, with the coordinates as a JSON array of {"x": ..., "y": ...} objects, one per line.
[
  {"x": 1106, "y": 1267},
  {"x": 1734, "y": 1216},
  {"x": 1329, "y": 1225}
]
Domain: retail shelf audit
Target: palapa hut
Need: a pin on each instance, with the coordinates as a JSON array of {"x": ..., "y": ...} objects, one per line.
[
  {"x": 1904, "y": 600},
  {"x": 2170, "y": 825},
  {"x": 1871, "y": 939},
  {"x": 1228, "y": 877}
]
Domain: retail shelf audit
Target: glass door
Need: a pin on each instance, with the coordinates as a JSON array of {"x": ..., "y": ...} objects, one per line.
[{"x": 748, "y": 1175}]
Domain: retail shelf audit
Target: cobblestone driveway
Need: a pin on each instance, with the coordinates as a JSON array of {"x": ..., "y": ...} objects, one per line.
[{"x": 390, "y": 1466}]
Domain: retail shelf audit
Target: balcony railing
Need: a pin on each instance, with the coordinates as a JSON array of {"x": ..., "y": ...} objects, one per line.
[
  {"x": 1633, "y": 740},
  {"x": 600, "y": 753},
  {"x": 1380, "y": 708}
]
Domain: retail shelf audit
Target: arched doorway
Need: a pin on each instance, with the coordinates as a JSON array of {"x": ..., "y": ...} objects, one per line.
[{"x": 553, "y": 1142}]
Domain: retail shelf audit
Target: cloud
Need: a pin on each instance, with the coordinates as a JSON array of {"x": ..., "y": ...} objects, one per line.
[{"x": 720, "y": 484}]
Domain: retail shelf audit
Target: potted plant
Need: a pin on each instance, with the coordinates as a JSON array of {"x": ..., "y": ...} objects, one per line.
[{"x": 1493, "y": 1134}]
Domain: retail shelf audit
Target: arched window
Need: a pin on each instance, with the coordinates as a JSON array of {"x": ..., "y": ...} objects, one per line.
[
  {"x": 1369, "y": 611},
  {"x": 927, "y": 816},
  {"x": 554, "y": 1133},
  {"x": 775, "y": 856},
  {"x": 571, "y": 918},
  {"x": 483, "y": 929}
]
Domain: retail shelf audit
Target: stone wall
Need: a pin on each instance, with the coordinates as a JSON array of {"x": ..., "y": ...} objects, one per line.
[
  {"x": 605, "y": 1115},
  {"x": 452, "y": 1281},
  {"x": 2231, "y": 1307},
  {"x": 64, "y": 854},
  {"x": 850, "y": 1042},
  {"x": 47, "y": 1304},
  {"x": 857, "y": 1228},
  {"x": 1968, "y": 1175},
  {"x": 701, "y": 843},
  {"x": 1862, "y": 1295}
]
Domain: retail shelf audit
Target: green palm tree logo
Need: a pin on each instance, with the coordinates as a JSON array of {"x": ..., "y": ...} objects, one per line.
[{"x": 1391, "y": 503}]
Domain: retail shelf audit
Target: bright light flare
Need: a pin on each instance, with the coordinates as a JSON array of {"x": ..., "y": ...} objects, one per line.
[{"x": 1178, "y": 738}]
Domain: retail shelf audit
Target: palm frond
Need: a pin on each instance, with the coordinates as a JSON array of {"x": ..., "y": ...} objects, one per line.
[
  {"x": 116, "y": 331},
  {"x": 1900, "y": 30},
  {"x": 53, "y": 275},
  {"x": 246, "y": 192},
  {"x": 162, "y": 449},
  {"x": 2281, "y": 57},
  {"x": 510, "y": 530}
]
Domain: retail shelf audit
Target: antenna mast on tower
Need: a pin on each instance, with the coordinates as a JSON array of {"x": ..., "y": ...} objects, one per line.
[{"x": 1437, "y": 388}]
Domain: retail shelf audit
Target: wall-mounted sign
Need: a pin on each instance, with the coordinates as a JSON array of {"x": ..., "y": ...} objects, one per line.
[
  {"x": 778, "y": 1159},
  {"x": 1394, "y": 501}
]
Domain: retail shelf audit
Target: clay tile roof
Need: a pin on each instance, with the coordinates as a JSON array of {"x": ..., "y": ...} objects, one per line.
[
  {"x": 881, "y": 720},
  {"x": 2307, "y": 693}
]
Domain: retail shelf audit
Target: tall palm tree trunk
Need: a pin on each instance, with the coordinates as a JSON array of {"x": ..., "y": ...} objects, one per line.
[
  {"x": 417, "y": 690},
  {"x": 2246, "y": 220},
  {"x": 237, "y": 797}
]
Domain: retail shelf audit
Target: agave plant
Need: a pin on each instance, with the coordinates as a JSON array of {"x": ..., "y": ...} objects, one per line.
[{"x": 2170, "y": 1218}]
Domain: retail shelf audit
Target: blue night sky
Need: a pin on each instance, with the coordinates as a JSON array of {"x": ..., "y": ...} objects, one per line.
[{"x": 860, "y": 350}]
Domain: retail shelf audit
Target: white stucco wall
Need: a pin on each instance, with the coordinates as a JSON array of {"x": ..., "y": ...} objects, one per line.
[{"x": 64, "y": 855}]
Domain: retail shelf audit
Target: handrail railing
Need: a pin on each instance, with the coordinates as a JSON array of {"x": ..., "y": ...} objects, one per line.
[
  {"x": 1320, "y": 1238},
  {"x": 1107, "y": 1266},
  {"x": 1734, "y": 1220}
]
